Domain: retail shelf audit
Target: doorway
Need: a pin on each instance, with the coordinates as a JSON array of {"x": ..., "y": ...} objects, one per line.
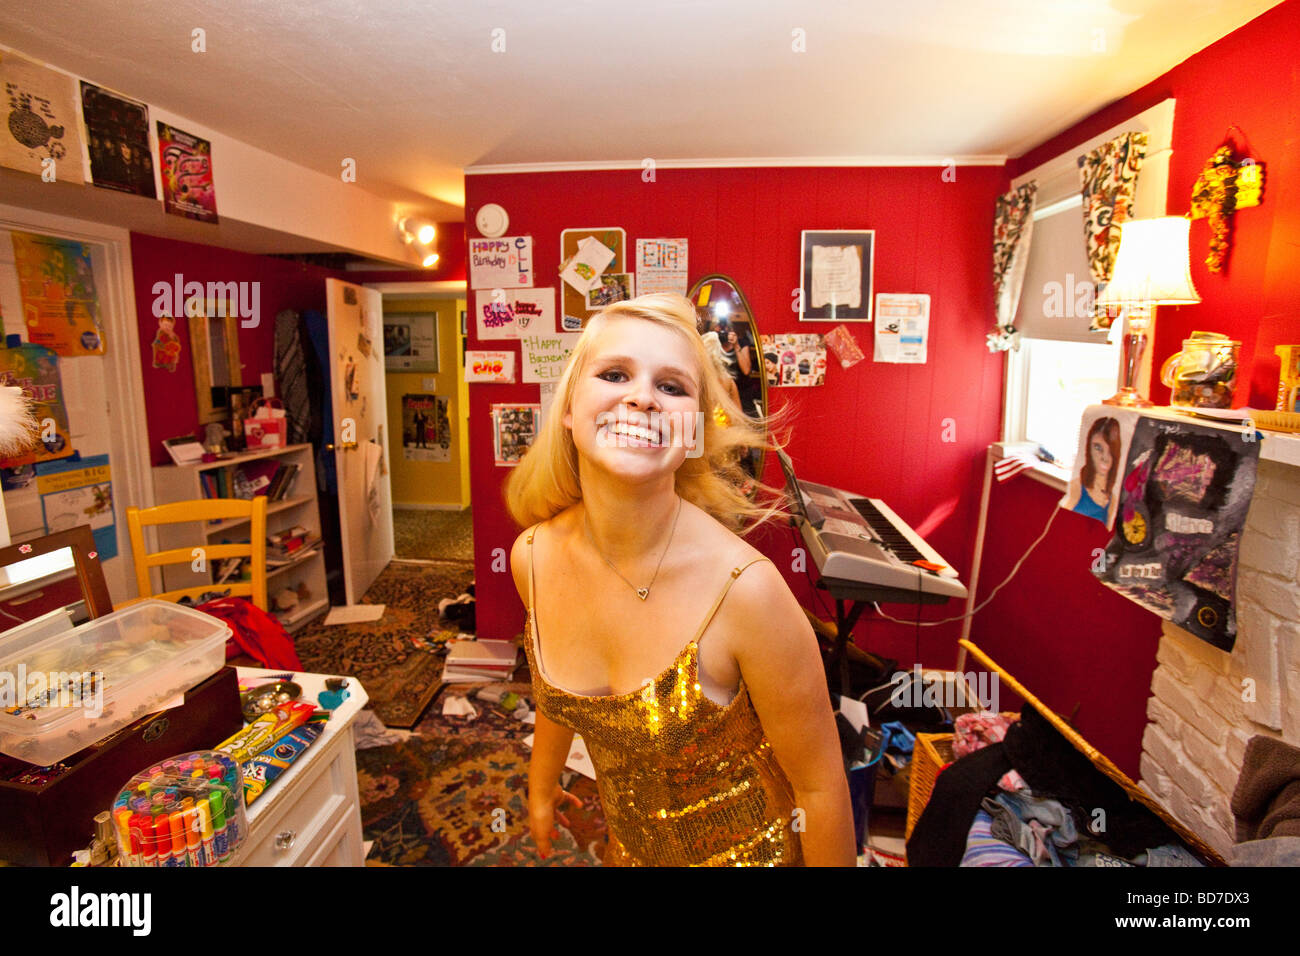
[{"x": 428, "y": 406}]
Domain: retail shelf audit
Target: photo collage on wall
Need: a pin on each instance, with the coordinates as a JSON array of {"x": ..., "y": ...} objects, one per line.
[{"x": 794, "y": 359}]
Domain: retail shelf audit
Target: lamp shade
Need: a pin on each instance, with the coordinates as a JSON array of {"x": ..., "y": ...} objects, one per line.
[{"x": 1153, "y": 266}]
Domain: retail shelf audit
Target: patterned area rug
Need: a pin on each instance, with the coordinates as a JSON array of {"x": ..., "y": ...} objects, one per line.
[
  {"x": 385, "y": 655},
  {"x": 433, "y": 535},
  {"x": 455, "y": 794}
]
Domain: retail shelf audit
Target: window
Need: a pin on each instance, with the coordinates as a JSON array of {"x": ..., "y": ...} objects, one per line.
[{"x": 1061, "y": 367}]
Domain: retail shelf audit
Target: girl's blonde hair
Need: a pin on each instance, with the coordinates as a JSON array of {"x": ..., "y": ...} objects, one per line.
[{"x": 545, "y": 482}]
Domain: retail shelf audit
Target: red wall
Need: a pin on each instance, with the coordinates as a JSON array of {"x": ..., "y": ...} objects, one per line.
[
  {"x": 1250, "y": 79},
  {"x": 170, "y": 404},
  {"x": 874, "y": 428},
  {"x": 1072, "y": 641}
]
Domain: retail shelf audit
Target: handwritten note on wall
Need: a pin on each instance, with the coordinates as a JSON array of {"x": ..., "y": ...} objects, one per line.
[
  {"x": 545, "y": 355},
  {"x": 485, "y": 366},
  {"x": 504, "y": 263}
]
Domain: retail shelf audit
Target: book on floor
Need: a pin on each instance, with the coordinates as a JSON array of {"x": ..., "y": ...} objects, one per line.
[{"x": 469, "y": 661}]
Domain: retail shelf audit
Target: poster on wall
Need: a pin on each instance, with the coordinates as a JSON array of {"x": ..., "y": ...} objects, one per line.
[
  {"x": 35, "y": 369},
  {"x": 544, "y": 355},
  {"x": 482, "y": 366},
  {"x": 1105, "y": 434},
  {"x": 794, "y": 360},
  {"x": 902, "y": 328},
  {"x": 426, "y": 428},
  {"x": 60, "y": 305},
  {"x": 117, "y": 135},
  {"x": 76, "y": 492},
  {"x": 42, "y": 135},
  {"x": 661, "y": 265},
  {"x": 514, "y": 428},
  {"x": 504, "y": 263},
  {"x": 836, "y": 270},
  {"x": 1182, "y": 509},
  {"x": 186, "y": 164},
  {"x": 410, "y": 342}
]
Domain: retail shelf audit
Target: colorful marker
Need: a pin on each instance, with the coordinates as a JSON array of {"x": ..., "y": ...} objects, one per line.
[
  {"x": 142, "y": 830},
  {"x": 179, "y": 846},
  {"x": 220, "y": 839},
  {"x": 162, "y": 833},
  {"x": 204, "y": 807}
]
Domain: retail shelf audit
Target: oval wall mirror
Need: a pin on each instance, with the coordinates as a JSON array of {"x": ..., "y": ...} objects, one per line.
[{"x": 722, "y": 312}]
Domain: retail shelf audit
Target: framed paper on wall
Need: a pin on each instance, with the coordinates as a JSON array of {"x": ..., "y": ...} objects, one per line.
[
  {"x": 836, "y": 275},
  {"x": 410, "y": 342}
]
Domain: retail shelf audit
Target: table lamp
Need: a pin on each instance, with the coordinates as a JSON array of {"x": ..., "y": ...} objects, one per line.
[{"x": 1152, "y": 268}]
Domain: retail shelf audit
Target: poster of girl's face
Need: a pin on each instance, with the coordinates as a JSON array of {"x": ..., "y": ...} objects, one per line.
[{"x": 1104, "y": 436}]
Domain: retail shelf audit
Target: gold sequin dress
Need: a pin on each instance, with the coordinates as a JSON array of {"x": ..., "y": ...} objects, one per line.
[{"x": 684, "y": 781}]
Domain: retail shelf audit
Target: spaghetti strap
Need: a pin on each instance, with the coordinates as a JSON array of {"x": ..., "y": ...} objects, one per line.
[
  {"x": 735, "y": 573},
  {"x": 531, "y": 531}
]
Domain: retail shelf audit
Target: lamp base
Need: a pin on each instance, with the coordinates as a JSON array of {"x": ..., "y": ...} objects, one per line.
[{"x": 1128, "y": 397}]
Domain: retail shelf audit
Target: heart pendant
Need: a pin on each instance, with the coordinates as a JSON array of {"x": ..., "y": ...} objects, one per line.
[{"x": 643, "y": 593}]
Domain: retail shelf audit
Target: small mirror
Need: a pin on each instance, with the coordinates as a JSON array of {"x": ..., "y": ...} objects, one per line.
[
  {"x": 721, "y": 309},
  {"x": 55, "y": 581},
  {"x": 214, "y": 341}
]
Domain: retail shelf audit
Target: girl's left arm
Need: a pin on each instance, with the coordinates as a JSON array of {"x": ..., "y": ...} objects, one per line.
[{"x": 782, "y": 668}]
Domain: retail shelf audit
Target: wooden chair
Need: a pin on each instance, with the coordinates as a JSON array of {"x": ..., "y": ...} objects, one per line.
[{"x": 206, "y": 509}]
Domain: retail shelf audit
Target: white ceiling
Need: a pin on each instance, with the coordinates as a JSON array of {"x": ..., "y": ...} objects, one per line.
[{"x": 416, "y": 94}]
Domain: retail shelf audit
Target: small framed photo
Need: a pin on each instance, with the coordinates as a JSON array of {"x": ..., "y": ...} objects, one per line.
[{"x": 836, "y": 275}]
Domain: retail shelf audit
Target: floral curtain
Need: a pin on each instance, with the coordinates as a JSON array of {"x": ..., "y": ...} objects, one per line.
[
  {"x": 1013, "y": 224},
  {"x": 1108, "y": 177}
]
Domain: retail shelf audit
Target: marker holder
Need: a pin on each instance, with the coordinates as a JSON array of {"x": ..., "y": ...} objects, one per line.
[{"x": 187, "y": 810}]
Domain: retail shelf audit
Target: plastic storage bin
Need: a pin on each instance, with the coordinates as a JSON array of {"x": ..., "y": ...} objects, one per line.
[
  {"x": 187, "y": 810},
  {"x": 62, "y": 690}
]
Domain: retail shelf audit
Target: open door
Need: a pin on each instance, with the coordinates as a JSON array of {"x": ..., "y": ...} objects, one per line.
[{"x": 360, "y": 433}]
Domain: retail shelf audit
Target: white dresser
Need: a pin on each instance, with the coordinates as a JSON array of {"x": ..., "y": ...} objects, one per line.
[{"x": 311, "y": 816}]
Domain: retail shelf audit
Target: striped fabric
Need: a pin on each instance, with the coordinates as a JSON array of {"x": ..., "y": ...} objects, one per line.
[
  {"x": 1010, "y": 466},
  {"x": 983, "y": 849}
]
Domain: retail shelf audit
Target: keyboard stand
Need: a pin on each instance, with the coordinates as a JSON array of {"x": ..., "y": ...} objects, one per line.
[{"x": 851, "y": 599}]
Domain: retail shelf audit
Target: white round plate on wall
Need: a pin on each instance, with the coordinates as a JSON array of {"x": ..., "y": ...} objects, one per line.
[{"x": 492, "y": 220}]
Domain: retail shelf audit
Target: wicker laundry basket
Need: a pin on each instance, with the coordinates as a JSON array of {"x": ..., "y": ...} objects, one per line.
[{"x": 932, "y": 751}]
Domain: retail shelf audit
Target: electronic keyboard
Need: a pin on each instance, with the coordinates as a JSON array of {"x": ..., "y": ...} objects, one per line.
[{"x": 858, "y": 539}]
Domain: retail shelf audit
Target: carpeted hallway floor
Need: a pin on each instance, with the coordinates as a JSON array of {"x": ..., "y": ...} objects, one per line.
[{"x": 433, "y": 535}]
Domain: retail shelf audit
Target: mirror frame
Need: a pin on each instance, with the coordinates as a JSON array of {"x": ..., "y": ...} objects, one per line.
[
  {"x": 90, "y": 574},
  {"x": 753, "y": 331},
  {"x": 209, "y": 411}
]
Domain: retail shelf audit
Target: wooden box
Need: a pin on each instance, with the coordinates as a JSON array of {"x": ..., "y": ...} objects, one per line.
[{"x": 41, "y": 825}]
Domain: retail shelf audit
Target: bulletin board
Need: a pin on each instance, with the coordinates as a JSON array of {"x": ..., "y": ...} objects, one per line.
[{"x": 573, "y": 303}]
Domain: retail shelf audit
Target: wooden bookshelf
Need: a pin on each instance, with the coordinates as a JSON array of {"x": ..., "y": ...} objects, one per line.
[{"x": 183, "y": 483}]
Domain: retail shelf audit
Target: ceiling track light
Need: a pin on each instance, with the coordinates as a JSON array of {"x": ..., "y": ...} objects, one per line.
[{"x": 415, "y": 231}]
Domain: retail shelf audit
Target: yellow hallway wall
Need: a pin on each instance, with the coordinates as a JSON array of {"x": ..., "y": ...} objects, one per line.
[{"x": 426, "y": 484}]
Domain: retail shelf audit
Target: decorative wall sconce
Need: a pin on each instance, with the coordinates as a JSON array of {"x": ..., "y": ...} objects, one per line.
[{"x": 1226, "y": 184}]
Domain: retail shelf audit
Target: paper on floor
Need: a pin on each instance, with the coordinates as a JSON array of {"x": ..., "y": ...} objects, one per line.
[
  {"x": 458, "y": 707},
  {"x": 355, "y": 613},
  {"x": 578, "y": 758}
]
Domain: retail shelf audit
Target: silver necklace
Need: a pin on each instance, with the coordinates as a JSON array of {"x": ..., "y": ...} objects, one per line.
[{"x": 644, "y": 592}]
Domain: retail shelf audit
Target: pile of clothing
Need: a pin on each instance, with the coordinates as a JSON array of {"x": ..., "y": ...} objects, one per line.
[
  {"x": 459, "y": 611},
  {"x": 1020, "y": 794},
  {"x": 1266, "y": 804}
]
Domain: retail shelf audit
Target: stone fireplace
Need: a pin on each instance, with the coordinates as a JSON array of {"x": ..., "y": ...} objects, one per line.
[{"x": 1206, "y": 703}]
